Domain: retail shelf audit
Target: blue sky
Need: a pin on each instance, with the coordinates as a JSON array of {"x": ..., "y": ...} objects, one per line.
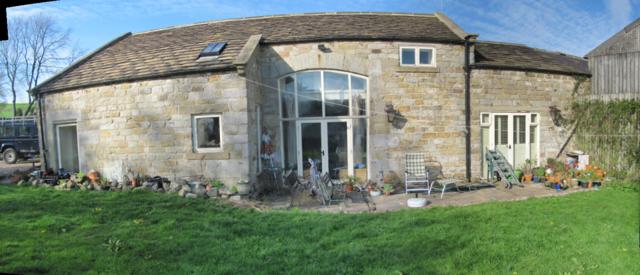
[{"x": 571, "y": 26}]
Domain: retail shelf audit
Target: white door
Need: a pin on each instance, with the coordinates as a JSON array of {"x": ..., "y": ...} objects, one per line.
[
  {"x": 329, "y": 144},
  {"x": 515, "y": 135}
]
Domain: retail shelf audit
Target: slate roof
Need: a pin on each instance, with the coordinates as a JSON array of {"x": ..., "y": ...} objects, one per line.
[
  {"x": 506, "y": 56},
  {"x": 174, "y": 50}
]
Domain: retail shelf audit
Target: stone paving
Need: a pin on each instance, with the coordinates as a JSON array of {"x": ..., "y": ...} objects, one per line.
[{"x": 399, "y": 201}]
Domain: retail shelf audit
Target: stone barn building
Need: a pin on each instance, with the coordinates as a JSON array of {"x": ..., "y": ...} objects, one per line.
[{"x": 352, "y": 91}]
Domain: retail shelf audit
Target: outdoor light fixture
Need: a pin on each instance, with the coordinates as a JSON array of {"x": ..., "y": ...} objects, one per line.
[
  {"x": 323, "y": 48},
  {"x": 391, "y": 113}
]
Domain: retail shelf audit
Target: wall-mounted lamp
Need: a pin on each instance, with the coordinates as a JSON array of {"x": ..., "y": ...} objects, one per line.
[
  {"x": 323, "y": 48},
  {"x": 391, "y": 113}
]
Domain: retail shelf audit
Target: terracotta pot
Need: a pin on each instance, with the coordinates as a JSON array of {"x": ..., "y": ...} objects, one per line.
[
  {"x": 387, "y": 193},
  {"x": 348, "y": 188},
  {"x": 527, "y": 177},
  {"x": 590, "y": 185}
]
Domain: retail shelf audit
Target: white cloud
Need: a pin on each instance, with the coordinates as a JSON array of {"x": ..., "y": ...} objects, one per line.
[{"x": 565, "y": 26}]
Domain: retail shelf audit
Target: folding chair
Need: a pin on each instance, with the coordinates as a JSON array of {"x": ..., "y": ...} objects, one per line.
[{"x": 416, "y": 176}]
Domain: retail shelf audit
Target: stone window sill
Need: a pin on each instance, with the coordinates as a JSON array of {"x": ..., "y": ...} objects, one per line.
[{"x": 417, "y": 69}]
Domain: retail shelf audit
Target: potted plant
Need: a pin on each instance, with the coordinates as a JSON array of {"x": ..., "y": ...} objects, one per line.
[
  {"x": 348, "y": 183},
  {"x": 78, "y": 177},
  {"x": 387, "y": 188},
  {"x": 587, "y": 177},
  {"x": 518, "y": 174},
  {"x": 243, "y": 187},
  {"x": 527, "y": 170},
  {"x": 538, "y": 174}
]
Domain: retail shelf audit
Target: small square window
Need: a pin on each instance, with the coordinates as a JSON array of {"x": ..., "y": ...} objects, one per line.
[
  {"x": 417, "y": 56},
  {"x": 425, "y": 56},
  {"x": 207, "y": 133},
  {"x": 408, "y": 56},
  {"x": 534, "y": 118},
  {"x": 484, "y": 119}
]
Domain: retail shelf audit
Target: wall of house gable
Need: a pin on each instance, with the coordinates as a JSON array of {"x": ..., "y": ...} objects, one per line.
[
  {"x": 432, "y": 100},
  {"x": 145, "y": 126},
  {"x": 512, "y": 91}
]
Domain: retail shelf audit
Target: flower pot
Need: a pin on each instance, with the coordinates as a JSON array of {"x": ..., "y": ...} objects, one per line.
[
  {"x": 387, "y": 193},
  {"x": 375, "y": 193},
  {"x": 209, "y": 186},
  {"x": 590, "y": 184},
  {"x": 243, "y": 188},
  {"x": 527, "y": 177},
  {"x": 348, "y": 188}
]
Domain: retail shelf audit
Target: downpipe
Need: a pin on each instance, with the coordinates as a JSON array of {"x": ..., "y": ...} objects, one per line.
[{"x": 469, "y": 40}]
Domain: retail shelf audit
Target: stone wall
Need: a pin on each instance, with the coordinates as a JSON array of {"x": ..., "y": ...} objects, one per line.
[
  {"x": 431, "y": 99},
  {"x": 146, "y": 127},
  {"x": 512, "y": 91}
]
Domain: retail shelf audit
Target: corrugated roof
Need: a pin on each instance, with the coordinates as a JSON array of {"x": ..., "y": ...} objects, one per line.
[
  {"x": 506, "y": 56},
  {"x": 174, "y": 50}
]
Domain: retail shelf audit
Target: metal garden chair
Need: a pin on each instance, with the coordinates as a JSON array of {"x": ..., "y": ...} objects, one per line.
[{"x": 416, "y": 176}]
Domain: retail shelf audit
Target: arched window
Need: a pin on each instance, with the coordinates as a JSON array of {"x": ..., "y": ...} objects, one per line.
[
  {"x": 324, "y": 119},
  {"x": 318, "y": 94}
]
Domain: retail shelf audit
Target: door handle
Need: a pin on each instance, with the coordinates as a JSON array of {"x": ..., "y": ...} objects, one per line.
[{"x": 322, "y": 151}]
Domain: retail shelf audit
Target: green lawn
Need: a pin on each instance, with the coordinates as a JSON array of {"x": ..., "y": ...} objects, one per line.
[
  {"x": 6, "y": 109},
  {"x": 43, "y": 230}
]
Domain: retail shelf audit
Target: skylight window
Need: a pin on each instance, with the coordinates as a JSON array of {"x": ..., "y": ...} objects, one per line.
[{"x": 213, "y": 49}]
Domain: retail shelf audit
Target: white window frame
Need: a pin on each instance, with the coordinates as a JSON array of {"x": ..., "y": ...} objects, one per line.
[
  {"x": 416, "y": 52},
  {"x": 194, "y": 133},
  {"x": 59, "y": 157},
  {"x": 485, "y": 123},
  {"x": 351, "y": 116}
]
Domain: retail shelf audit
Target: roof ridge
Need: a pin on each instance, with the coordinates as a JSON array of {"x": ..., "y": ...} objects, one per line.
[
  {"x": 530, "y": 47},
  {"x": 215, "y": 21}
]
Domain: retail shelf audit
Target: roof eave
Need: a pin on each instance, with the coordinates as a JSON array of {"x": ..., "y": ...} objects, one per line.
[
  {"x": 526, "y": 69},
  {"x": 141, "y": 78}
]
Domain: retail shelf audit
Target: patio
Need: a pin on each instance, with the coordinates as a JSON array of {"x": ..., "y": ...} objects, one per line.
[{"x": 396, "y": 202}]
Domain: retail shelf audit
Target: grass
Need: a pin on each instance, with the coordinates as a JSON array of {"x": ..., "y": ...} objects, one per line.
[
  {"x": 6, "y": 109},
  {"x": 43, "y": 230}
]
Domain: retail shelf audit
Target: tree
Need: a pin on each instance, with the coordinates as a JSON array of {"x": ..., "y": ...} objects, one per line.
[
  {"x": 37, "y": 46},
  {"x": 11, "y": 52}
]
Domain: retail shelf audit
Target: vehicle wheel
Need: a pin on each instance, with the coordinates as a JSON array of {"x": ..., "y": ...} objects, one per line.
[{"x": 10, "y": 156}]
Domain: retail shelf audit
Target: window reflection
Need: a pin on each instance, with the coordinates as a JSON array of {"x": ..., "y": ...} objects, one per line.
[
  {"x": 309, "y": 94},
  {"x": 336, "y": 94},
  {"x": 323, "y": 94},
  {"x": 359, "y": 94},
  {"x": 288, "y": 97}
]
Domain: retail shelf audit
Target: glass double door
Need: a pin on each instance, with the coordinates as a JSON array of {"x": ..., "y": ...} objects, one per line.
[
  {"x": 514, "y": 135},
  {"x": 327, "y": 144}
]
